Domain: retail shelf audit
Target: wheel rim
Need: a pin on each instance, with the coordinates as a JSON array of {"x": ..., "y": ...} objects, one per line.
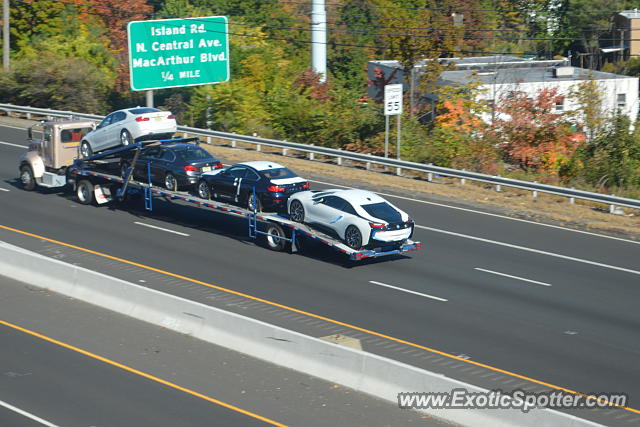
[
  {"x": 170, "y": 182},
  {"x": 353, "y": 237},
  {"x": 25, "y": 177},
  {"x": 273, "y": 240},
  {"x": 203, "y": 190},
  {"x": 84, "y": 150},
  {"x": 251, "y": 204},
  {"x": 297, "y": 211},
  {"x": 82, "y": 193},
  {"x": 124, "y": 138}
]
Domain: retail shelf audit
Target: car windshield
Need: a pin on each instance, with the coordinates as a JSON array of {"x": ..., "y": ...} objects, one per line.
[
  {"x": 143, "y": 110},
  {"x": 383, "y": 211},
  {"x": 279, "y": 173},
  {"x": 191, "y": 154}
]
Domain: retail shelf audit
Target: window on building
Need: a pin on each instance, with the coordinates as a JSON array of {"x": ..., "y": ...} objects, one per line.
[
  {"x": 622, "y": 100},
  {"x": 559, "y": 103}
]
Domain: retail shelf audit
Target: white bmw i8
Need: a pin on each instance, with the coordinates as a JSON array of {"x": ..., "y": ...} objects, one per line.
[{"x": 360, "y": 218}]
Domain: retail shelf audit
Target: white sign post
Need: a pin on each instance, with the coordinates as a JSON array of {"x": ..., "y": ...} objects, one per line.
[{"x": 392, "y": 107}]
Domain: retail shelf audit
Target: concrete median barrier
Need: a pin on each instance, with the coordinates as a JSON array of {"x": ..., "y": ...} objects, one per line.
[{"x": 356, "y": 369}]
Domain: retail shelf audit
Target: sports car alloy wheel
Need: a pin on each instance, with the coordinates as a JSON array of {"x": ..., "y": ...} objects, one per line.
[{"x": 352, "y": 237}]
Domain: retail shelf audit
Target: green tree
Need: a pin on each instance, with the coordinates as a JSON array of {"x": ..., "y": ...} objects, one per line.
[
  {"x": 51, "y": 81},
  {"x": 591, "y": 114}
]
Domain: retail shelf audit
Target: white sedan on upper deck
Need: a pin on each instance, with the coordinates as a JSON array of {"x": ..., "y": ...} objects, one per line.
[
  {"x": 124, "y": 127},
  {"x": 360, "y": 218}
]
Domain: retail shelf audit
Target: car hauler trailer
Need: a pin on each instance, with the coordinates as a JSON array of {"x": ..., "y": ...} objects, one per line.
[{"x": 98, "y": 179}]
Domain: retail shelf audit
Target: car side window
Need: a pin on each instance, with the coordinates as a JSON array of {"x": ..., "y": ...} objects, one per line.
[
  {"x": 334, "y": 202},
  {"x": 105, "y": 122},
  {"x": 168, "y": 156},
  {"x": 119, "y": 116},
  {"x": 237, "y": 172},
  {"x": 152, "y": 153},
  {"x": 251, "y": 175},
  {"x": 349, "y": 209}
]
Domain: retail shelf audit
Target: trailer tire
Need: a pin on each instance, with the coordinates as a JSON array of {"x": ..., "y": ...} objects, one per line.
[
  {"x": 124, "y": 165},
  {"x": 275, "y": 241},
  {"x": 84, "y": 192},
  {"x": 26, "y": 178}
]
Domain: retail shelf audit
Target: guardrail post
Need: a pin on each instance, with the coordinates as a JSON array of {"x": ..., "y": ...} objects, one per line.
[
  {"x": 339, "y": 159},
  {"x": 209, "y": 140},
  {"x": 399, "y": 171},
  {"x": 233, "y": 142},
  {"x": 498, "y": 186},
  {"x": 184, "y": 134},
  {"x": 368, "y": 166},
  {"x": 28, "y": 116},
  {"x": 534, "y": 193},
  {"x": 462, "y": 180},
  {"x": 311, "y": 156},
  {"x": 285, "y": 151},
  {"x": 430, "y": 174},
  {"x": 572, "y": 200}
]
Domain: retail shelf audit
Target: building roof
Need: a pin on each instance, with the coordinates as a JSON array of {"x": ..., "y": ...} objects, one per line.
[
  {"x": 631, "y": 14},
  {"x": 524, "y": 75}
]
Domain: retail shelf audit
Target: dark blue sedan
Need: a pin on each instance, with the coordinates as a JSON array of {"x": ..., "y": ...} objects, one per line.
[
  {"x": 175, "y": 165},
  {"x": 273, "y": 185}
]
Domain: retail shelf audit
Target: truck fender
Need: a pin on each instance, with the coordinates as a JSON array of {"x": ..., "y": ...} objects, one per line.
[{"x": 33, "y": 159}]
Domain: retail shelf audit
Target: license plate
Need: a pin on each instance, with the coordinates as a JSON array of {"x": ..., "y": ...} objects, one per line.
[
  {"x": 158, "y": 118},
  {"x": 206, "y": 169}
]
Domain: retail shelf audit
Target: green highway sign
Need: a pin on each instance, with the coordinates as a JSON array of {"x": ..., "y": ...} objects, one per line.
[{"x": 178, "y": 52}]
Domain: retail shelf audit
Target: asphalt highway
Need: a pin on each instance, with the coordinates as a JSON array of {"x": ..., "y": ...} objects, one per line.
[{"x": 547, "y": 303}]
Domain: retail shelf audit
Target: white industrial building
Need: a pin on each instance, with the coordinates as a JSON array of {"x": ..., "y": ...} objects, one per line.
[{"x": 500, "y": 76}]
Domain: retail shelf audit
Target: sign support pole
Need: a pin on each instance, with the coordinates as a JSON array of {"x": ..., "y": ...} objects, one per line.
[
  {"x": 386, "y": 136},
  {"x": 149, "y": 98}
]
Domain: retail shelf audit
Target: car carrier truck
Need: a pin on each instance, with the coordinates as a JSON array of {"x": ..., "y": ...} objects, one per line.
[{"x": 53, "y": 161}]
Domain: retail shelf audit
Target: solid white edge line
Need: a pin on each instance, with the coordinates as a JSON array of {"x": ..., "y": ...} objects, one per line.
[
  {"x": 512, "y": 277},
  {"x": 27, "y": 414},
  {"x": 407, "y": 291},
  {"x": 162, "y": 229},
  {"x": 442, "y": 205},
  {"x": 537, "y": 251},
  {"x": 4, "y": 189},
  {"x": 13, "y": 145}
]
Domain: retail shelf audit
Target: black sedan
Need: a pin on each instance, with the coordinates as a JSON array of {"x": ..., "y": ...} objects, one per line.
[
  {"x": 273, "y": 185},
  {"x": 175, "y": 165}
]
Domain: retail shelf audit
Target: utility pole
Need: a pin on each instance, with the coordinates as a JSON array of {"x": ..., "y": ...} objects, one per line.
[
  {"x": 319, "y": 39},
  {"x": 5, "y": 35}
]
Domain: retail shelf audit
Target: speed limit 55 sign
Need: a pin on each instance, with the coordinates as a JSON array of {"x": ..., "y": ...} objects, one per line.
[{"x": 392, "y": 100}]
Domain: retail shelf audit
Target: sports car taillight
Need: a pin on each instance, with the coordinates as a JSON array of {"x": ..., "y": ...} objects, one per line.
[
  {"x": 377, "y": 226},
  {"x": 218, "y": 166},
  {"x": 190, "y": 168},
  {"x": 142, "y": 119},
  {"x": 275, "y": 189},
  {"x": 171, "y": 116},
  {"x": 305, "y": 186}
]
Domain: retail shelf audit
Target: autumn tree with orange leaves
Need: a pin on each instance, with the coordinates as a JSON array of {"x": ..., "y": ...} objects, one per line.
[{"x": 531, "y": 134}]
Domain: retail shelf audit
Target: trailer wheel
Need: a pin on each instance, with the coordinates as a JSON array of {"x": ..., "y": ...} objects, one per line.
[
  {"x": 84, "y": 192},
  {"x": 26, "y": 178},
  {"x": 274, "y": 237}
]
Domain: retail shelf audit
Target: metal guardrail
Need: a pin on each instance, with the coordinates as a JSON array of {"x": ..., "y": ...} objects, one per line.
[{"x": 368, "y": 159}]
